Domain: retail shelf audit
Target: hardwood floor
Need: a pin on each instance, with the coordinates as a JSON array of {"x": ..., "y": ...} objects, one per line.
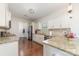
[{"x": 29, "y": 48}]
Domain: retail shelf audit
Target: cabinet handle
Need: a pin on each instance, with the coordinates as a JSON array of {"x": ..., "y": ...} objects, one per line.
[{"x": 53, "y": 54}]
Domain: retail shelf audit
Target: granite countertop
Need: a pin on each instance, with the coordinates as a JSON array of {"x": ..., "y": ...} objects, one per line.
[
  {"x": 71, "y": 47},
  {"x": 8, "y": 39}
]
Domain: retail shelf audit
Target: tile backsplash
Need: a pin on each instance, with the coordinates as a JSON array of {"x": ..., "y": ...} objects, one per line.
[
  {"x": 56, "y": 31},
  {"x": 60, "y": 31}
]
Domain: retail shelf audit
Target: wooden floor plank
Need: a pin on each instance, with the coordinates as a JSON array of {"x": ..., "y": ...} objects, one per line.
[{"x": 30, "y": 48}]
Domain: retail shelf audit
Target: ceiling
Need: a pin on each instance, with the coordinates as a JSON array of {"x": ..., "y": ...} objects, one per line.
[{"x": 34, "y": 11}]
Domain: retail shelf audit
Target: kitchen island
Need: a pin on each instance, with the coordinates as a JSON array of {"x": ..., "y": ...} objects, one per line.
[
  {"x": 61, "y": 46},
  {"x": 9, "y": 46}
]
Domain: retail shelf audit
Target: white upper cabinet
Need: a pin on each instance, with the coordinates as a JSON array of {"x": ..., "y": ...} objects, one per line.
[
  {"x": 2, "y": 15},
  {"x": 5, "y": 15}
]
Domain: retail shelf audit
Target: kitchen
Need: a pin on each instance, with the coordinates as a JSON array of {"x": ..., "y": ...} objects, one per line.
[{"x": 52, "y": 25}]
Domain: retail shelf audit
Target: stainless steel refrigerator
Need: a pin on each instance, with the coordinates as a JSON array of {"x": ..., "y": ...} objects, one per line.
[{"x": 30, "y": 32}]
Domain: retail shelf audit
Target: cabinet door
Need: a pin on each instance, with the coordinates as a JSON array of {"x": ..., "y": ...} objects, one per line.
[
  {"x": 38, "y": 38},
  {"x": 8, "y": 16},
  {"x": 2, "y": 14},
  {"x": 51, "y": 51},
  {"x": 9, "y": 49}
]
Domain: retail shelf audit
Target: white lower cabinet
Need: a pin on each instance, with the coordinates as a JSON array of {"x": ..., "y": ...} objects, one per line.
[
  {"x": 38, "y": 38},
  {"x": 51, "y": 51},
  {"x": 9, "y": 49}
]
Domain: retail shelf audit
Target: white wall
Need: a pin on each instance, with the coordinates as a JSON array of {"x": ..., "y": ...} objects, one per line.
[
  {"x": 75, "y": 19},
  {"x": 17, "y": 26}
]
